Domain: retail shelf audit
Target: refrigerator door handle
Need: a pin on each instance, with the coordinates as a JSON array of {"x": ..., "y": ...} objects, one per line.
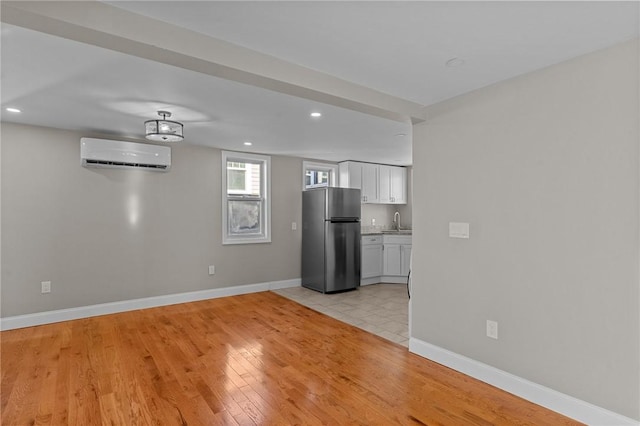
[{"x": 344, "y": 219}]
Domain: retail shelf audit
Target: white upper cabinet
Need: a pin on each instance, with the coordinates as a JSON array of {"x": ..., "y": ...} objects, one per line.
[
  {"x": 385, "y": 184},
  {"x": 379, "y": 183},
  {"x": 398, "y": 185},
  {"x": 370, "y": 186},
  {"x": 362, "y": 176},
  {"x": 393, "y": 185}
]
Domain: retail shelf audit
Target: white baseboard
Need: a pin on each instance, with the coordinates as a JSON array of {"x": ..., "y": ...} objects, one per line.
[
  {"x": 369, "y": 281},
  {"x": 538, "y": 394},
  {"x": 392, "y": 279},
  {"x": 39, "y": 318},
  {"x": 387, "y": 279},
  {"x": 277, "y": 285}
]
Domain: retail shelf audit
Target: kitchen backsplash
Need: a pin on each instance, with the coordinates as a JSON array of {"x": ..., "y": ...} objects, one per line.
[{"x": 383, "y": 215}]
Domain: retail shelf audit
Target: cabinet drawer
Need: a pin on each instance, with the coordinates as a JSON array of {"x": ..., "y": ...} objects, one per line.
[
  {"x": 397, "y": 239},
  {"x": 371, "y": 239}
]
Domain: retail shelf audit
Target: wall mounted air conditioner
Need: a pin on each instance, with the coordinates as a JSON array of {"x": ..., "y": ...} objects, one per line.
[{"x": 120, "y": 154}]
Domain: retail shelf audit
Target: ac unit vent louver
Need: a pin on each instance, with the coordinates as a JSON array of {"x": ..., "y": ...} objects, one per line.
[
  {"x": 120, "y": 154},
  {"x": 98, "y": 163}
]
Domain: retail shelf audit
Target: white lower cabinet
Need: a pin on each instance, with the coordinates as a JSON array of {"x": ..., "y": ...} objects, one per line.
[
  {"x": 391, "y": 259},
  {"x": 385, "y": 258},
  {"x": 371, "y": 255},
  {"x": 396, "y": 255}
]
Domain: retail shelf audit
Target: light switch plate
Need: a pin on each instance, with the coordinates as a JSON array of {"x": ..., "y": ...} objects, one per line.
[
  {"x": 458, "y": 230},
  {"x": 212, "y": 270},
  {"x": 492, "y": 329}
]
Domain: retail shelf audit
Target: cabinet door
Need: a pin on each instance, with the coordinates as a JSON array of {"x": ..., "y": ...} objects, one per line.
[
  {"x": 392, "y": 263},
  {"x": 369, "y": 182},
  {"x": 398, "y": 185},
  {"x": 371, "y": 261},
  {"x": 405, "y": 254},
  {"x": 344, "y": 177},
  {"x": 355, "y": 175},
  {"x": 385, "y": 184}
]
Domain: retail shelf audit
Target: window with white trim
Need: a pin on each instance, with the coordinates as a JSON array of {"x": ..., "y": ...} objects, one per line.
[
  {"x": 318, "y": 175},
  {"x": 246, "y": 198}
]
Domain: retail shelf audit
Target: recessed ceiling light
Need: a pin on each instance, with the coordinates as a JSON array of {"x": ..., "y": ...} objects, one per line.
[
  {"x": 316, "y": 114},
  {"x": 247, "y": 143},
  {"x": 400, "y": 135},
  {"x": 454, "y": 62},
  {"x": 13, "y": 110}
]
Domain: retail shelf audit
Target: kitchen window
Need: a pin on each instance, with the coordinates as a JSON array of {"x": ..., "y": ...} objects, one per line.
[
  {"x": 246, "y": 194},
  {"x": 318, "y": 175}
]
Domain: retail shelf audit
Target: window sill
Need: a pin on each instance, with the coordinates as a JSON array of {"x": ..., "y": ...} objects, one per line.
[{"x": 245, "y": 241}]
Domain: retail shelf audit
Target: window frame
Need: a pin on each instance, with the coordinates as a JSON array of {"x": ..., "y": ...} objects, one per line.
[
  {"x": 265, "y": 198},
  {"x": 332, "y": 168},
  {"x": 246, "y": 177}
]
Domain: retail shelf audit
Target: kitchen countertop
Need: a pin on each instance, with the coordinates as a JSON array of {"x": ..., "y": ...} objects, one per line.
[{"x": 388, "y": 232}]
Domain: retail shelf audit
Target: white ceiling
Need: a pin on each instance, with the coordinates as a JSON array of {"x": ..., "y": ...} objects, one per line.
[{"x": 399, "y": 48}]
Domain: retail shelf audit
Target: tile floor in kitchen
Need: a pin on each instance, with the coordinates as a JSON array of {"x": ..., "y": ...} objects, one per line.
[{"x": 380, "y": 309}]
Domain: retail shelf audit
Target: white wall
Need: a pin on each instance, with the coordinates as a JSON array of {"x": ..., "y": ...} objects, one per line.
[
  {"x": 545, "y": 168},
  {"x": 104, "y": 235}
]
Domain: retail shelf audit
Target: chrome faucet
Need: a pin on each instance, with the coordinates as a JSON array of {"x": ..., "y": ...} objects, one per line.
[{"x": 396, "y": 220}]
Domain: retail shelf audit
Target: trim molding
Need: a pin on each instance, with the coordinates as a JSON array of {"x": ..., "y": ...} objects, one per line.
[
  {"x": 392, "y": 279},
  {"x": 48, "y": 317},
  {"x": 369, "y": 281},
  {"x": 564, "y": 404},
  {"x": 384, "y": 279}
]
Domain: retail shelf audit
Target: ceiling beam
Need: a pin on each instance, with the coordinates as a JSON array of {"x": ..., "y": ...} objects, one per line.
[{"x": 115, "y": 29}]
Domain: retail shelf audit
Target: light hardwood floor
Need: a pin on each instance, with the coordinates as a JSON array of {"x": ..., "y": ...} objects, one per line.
[{"x": 252, "y": 359}]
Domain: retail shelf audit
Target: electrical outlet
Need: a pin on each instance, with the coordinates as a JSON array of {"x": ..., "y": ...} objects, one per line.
[
  {"x": 212, "y": 270},
  {"x": 492, "y": 329},
  {"x": 294, "y": 226},
  {"x": 46, "y": 286}
]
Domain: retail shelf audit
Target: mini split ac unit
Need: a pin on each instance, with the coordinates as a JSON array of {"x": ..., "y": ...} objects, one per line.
[{"x": 120, "y": 154}]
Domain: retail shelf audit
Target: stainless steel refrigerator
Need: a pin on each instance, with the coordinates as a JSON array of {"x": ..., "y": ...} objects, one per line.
[{"x": 331, "y": 239}]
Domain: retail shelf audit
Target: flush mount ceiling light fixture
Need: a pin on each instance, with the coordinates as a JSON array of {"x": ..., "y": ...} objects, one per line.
[{"x": 163, "y": 130}]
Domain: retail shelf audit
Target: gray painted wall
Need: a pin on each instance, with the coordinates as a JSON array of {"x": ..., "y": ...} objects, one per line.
[
  {"x": 103, "y": 235},
  {"x": 545, "y": 168}
]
